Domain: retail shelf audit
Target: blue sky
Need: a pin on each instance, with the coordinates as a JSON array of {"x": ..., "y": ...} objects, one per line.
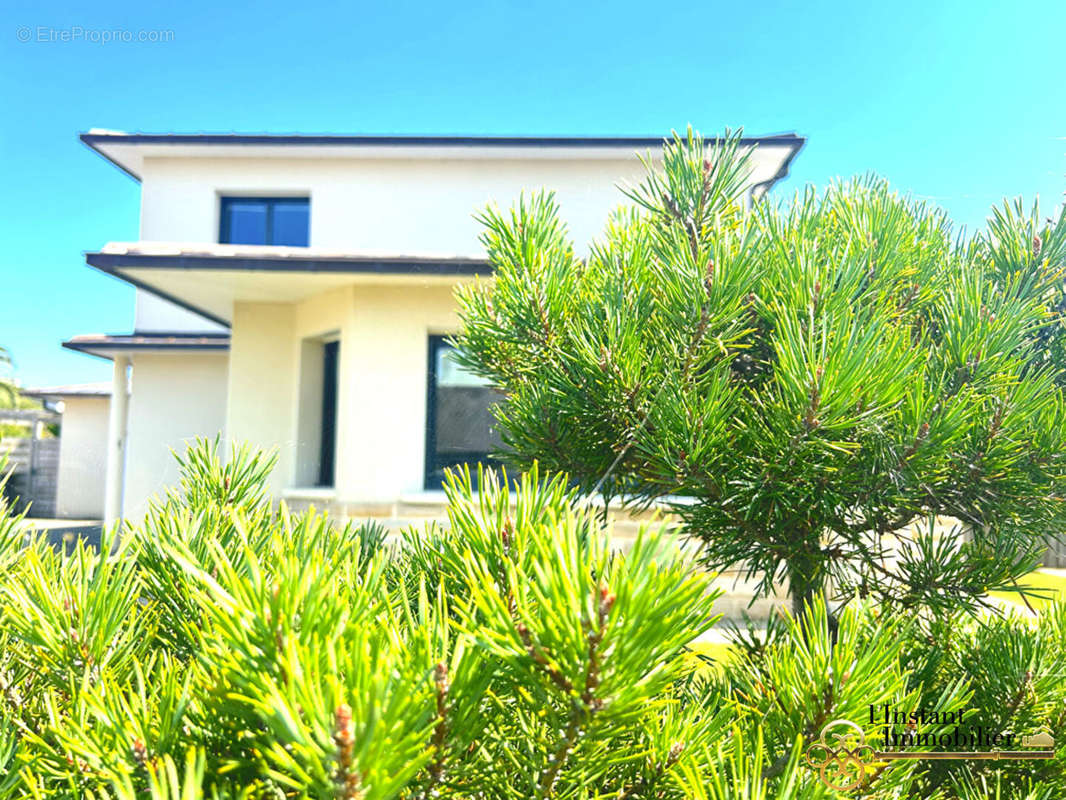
[{"x": 960, "y": 102}]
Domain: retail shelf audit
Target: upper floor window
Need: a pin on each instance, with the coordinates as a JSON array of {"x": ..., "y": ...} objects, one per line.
[{"x": 265, "y": 220}]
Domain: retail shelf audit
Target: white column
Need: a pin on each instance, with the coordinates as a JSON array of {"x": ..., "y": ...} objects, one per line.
[{"x": 116, "y": 441}]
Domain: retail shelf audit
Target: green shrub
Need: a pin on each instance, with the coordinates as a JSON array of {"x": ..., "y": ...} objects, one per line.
[
  {"x": 813, "y": 379},
  {"x": 227, "y": 649}
]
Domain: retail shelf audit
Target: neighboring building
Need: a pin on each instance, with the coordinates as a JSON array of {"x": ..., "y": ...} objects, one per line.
[
  {"x": 295, "y": 292},
  {"x": 67, "y": 475},
  {"x": 82, "y": 446}
]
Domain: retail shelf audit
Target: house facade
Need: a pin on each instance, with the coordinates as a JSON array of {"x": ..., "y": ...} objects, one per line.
[{"x": 296, "y": 292}]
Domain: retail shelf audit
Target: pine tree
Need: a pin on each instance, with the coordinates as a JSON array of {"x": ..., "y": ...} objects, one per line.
[{"x": 825, "y": 383}]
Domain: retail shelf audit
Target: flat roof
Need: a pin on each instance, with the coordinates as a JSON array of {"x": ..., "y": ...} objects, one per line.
[
  {"x": 195, "y": 255},
  {"x": 102, "y": 389},
  {"x": 127, "y": 150},
  {"x": 189, "y": 274},
  {"x": 106, "y": 345},
  {"x": 97, "y": 137}
]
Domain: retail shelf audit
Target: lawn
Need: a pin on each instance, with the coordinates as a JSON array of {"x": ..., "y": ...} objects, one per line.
[
  {"x": 718, "y": 651},
  {"x": 1050, "y": 583}
]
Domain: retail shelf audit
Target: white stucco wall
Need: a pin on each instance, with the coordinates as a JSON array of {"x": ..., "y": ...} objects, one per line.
[
  {"x": 82, "y": 458},
  {"x": 402, "y": 205},
  {"x": 383, "y": 374},
  {"x": 174, "y": 398},
  {"x": 399, "y": 206},
  {"x": 153, "y": 314},
  {"x": 262, "y": 385},
  {"x": 381, "y": 404}
]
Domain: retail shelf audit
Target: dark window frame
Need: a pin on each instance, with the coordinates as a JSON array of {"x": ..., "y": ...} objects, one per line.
[
  {"x": 327, "y": 448},
  {"x": 431, "y": 481},
  {"x": 224, "y": 232}
]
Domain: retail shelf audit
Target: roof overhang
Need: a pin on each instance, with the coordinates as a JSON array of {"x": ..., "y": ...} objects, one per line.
[
  {"x": 128, "y": 151},
  {"x": 68, "y": 391},
  {"x": 104, "y": 345},
  {"x": 209, "y": 279}
]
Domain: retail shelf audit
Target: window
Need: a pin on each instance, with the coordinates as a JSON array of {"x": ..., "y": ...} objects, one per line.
[
  {"x": 459, "y": 423},
  {"x": 265, "y": 220},
  {"x": 316, "y": 434},
  {"x": 328, "y": 444}
]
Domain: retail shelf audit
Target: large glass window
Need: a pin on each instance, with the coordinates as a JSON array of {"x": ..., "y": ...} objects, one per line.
[
  {"x": 265, "y": 220},
  {"x": 459, "y": 422}
]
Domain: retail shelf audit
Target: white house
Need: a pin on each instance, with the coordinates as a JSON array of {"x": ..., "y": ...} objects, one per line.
[
  {"x": 295, "y": 292},
  {"x": 82, "y": 446}
]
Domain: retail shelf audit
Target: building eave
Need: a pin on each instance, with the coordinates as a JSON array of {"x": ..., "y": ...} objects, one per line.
[
  {"x": 760, "y": 189},
  {"x": 107, "y": 346},
  {"x": 100, "y": 390},
  {"x": 115, "y": 263},
  {"x": 185, "y": 275},
  {"x": 126, "y": 150}
]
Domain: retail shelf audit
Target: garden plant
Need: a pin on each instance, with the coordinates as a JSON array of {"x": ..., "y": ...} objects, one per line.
[
  {"x": 850, "y": 395},
  {"x": 842, "y": 394},
  {"x": 224, "y": 648}
]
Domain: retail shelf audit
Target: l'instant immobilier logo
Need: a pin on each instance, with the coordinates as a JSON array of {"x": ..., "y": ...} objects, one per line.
[{"x": 843, "y": 757}]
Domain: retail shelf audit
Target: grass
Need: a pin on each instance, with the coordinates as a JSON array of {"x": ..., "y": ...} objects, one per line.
[
  {"x": 1051, "y": 586},
  {"x": 718, "y": 651}
]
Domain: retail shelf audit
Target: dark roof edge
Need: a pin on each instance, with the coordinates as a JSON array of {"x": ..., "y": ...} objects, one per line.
[
  {"x": 95, "y": 140},
  {"x": 121, "y": 342},
  {"x": 84, "y": 346},
  {"x": 113, "y": 262},
  {"x": 43, "y": 394},
  {"x": 173, "y": 334},
  {"x": 83, "y": 350},
  {"x": 786, "y": 166},
  {"x": 109, "y": 269},
  {"x": 85, "y": 140}
]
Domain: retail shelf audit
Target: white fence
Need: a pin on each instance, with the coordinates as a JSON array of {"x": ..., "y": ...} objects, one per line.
[{"x": 1056, "y": 554}]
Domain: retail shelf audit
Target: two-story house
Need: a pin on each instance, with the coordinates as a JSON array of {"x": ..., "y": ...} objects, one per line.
[{"x": 296, "y": 292}]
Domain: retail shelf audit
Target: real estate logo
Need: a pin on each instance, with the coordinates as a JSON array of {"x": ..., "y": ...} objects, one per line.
[{"x": 844, "y": 759}]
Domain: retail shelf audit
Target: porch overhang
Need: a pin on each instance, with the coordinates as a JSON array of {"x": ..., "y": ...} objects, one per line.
[
  {"x": 108, "y": 346},
  {"x": 209, "y": 279},
  {"x": 67, "y": 391}
]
